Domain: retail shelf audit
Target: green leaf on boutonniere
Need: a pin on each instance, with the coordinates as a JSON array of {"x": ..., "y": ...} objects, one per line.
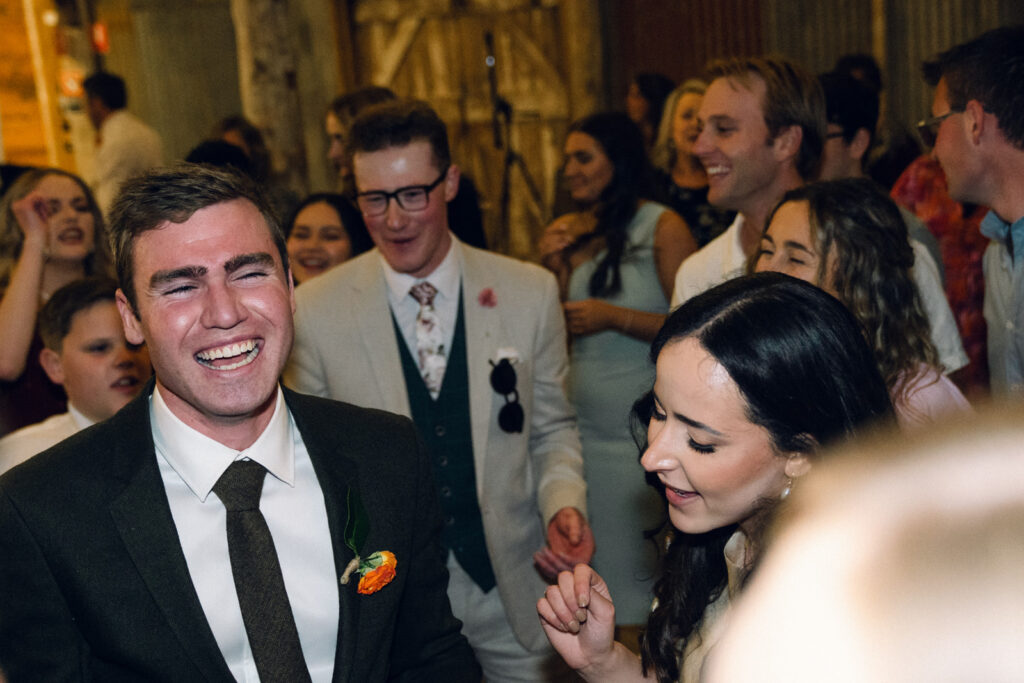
[{"x": 358, "y": 524}]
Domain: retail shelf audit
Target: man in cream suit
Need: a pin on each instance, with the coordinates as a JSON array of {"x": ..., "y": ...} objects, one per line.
[{"x": 471, "y": 345}]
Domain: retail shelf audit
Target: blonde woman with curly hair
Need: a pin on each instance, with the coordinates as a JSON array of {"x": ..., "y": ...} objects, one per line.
[
  {"x": 51, "y": 233},
  {"x": 848, "y": 238}
]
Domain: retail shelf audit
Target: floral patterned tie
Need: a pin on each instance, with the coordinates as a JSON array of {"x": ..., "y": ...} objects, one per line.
[{"x": 429, "y": 338}]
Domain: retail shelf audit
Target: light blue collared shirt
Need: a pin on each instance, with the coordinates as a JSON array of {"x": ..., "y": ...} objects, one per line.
[{"x": 1004, "y": 303}]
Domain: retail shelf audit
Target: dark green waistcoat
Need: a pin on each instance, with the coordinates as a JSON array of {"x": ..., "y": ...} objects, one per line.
[{"x": 446, "y": 429}]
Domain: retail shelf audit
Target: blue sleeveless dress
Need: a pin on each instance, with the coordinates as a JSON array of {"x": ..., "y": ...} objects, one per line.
[{"x": 608, "y": 371}]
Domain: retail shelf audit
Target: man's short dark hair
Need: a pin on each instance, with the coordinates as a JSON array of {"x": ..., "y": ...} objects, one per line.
[
  {"x": 221, "y": 154},
  {"x": 792, "y": 98},
  {"x": 861, "y": 66},
  {"x": 108, "y": 88},
  {"x": 172, "y": 195},
  {"x": 56, "y": 316},
  {"x": 398, "y": 123},
  {"x": 989, "y": 69},
  {"x": 850, "y": 104},
  {"x": 348, "y": 106}
]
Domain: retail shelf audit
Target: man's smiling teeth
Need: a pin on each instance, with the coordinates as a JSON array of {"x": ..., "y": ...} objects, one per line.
[
  {"x": 249, "y": 348},
  {"x": 716, "y": 170}
]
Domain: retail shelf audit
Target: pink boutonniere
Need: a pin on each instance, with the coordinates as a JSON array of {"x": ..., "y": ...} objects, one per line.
[{"x": 486, "y": 298}]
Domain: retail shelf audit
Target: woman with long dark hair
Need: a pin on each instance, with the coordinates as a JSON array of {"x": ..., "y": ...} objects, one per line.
[
  {"x": 754, "y": 378},
  {"x": 51, "y": 233},
  {"x": 616, "y": 260},
  {"x": 324, "y": 230},
  {"x": 848, "y": 237}
]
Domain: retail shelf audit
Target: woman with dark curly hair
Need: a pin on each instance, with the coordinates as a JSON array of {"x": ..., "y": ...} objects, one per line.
[
  {"x": 847, "y": 237},
  {"x": 616, "y": 259},
  {"x": 754, "y": 378}
]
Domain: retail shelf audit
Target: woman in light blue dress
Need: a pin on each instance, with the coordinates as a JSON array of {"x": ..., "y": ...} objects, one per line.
[{"x": 616, "y": 260}]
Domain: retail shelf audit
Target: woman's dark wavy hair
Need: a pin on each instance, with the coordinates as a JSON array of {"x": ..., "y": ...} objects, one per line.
[
  {"x": 351, "y": 219},
  {"x": 808, "y": 378},
  {"x": 623, "y": 144},
  {"x": 861, "y": 226}
]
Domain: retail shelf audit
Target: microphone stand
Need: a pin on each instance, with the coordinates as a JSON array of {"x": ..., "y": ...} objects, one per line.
[{"x": 501, "y": 124}]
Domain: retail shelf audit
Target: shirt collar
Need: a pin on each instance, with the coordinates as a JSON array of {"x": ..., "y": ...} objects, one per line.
[
  {"x": 80, "y": 420},
  {"x": 200, "y": 461},
  {"x": 445, "y": 277},
  {"x": 995, "y": 228},
  {"x": 736, "y": 238}
]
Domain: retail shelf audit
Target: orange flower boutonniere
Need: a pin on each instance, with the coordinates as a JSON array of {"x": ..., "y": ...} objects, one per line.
[
  {"x": 378, "y": 569},
  {"x": 377, "y": 572}
]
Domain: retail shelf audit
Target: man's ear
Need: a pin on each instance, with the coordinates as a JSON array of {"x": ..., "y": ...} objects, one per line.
[
  {"x": 859, "y": 145},
  {"x": 974, "y": 120},
  {"x": 451, "y": 182},
  {"x": 50, "y": 360},
  {"x": 787, "y": 142},
  {"x": 132, "y": 326}
]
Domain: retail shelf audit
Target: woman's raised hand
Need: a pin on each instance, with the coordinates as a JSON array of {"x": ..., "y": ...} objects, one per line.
[
  {"x": 556, "y": 237},
  {"x": 32, "y": 216},
  {"x": 579, "y": 618}
]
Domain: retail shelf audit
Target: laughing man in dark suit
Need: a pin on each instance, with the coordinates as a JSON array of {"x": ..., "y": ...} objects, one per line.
[{"x": 116, "y": 563}]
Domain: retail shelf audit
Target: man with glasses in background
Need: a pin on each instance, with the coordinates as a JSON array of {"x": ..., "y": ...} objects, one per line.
[
  {"x": 977, "y": 133},
  {"x": 472, "y": 346}
]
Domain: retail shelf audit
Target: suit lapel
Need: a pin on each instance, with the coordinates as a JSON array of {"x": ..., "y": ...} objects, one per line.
[
  {"x": 373, "y": 319},
  {"x": 335, "y": 473},
  {"x": 483, "y": 332},
  {"x": 143, "y": 518}
]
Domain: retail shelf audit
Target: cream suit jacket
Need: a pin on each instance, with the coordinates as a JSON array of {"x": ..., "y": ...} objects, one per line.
[{"x": 346, "y": 349}]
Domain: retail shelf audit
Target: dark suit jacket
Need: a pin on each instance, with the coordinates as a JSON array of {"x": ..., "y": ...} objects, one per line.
[{"x": 94, "y": 584}]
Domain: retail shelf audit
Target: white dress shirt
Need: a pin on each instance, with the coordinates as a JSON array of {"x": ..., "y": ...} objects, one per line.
[
  {"x": 719, "y": 260},
  {"x": 19, "y": 446},
  {"x": 293, "y": 505},
  {"x": 446, "y": 278},
  {"x": 941, "y": 322}
]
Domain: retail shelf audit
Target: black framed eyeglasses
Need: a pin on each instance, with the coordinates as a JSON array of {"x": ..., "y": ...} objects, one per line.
[
  {"x": 928, "y": 128},
  {"x": 409, "y": 198},
  {"x": 503, "y": 381}
]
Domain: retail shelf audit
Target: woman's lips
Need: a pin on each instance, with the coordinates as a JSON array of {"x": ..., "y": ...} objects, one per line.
[
  {"x": 679, "y": 496},
  {"x": 70, "y": 235}
]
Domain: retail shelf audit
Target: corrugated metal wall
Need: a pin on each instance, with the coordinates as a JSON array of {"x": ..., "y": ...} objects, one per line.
[
  {"x": 816, "y": 32},
  {"x": 918, "y": 29}
]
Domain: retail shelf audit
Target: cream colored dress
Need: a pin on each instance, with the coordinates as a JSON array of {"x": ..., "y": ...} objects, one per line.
[{"x": 707, "y": 637}]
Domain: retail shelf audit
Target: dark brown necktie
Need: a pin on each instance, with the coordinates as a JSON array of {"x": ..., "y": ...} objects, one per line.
[{"x": 267, "y": 616}]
